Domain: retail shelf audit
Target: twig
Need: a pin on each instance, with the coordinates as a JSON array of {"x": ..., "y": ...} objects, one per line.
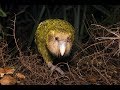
[
  {"x": 101, "y": 75},
  {"x": 117, "y": 34},
  {"x": 15, "y": 35}
]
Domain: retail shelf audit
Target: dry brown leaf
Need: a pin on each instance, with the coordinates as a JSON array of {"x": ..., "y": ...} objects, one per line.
[
  {"x": 92, "y": 79},
  {"x": 20, "y": 76},
  {"x": 9, "y": 70},
  {"x": 2, "y": 72},
  {"x": 8, "y": 80}
]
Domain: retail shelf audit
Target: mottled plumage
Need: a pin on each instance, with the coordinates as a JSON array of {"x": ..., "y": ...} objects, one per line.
[{"x": 54, "y": 36}]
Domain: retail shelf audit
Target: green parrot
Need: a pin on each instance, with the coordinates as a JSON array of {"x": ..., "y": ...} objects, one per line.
[{"x": 54, "y": 36}]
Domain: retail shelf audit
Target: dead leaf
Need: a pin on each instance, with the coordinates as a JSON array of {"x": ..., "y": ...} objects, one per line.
[
  {"x": 9, "y": 70},
  {"x": 20, "y": 76},
  {"x": 2, "y": 72},
  {"x": 8, "y": 80},
  {"x": 92, "y": 79}
]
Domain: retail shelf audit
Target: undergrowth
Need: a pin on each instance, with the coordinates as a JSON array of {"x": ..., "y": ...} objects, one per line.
[{"x": 95, "y": 62}]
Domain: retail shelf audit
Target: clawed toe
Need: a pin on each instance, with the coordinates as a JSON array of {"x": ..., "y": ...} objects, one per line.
[{"x": 55, "y": 68}]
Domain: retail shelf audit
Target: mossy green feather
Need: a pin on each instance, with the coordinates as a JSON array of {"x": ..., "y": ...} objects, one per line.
[{"x": 43, "y": 30}]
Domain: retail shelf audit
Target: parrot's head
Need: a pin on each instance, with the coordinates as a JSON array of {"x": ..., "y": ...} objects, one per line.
[{"x": 59, "y": 42}]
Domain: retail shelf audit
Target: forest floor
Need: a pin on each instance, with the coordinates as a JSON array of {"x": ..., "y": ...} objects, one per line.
[{"x": 95, "y": 62}]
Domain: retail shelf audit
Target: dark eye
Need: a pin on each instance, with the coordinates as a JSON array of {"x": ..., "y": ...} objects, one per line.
[
  {"x": 56, "y": 38},
  {"x": 68, "y": 39}
]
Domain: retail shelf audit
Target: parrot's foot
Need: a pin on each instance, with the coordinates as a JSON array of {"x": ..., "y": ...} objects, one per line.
[{"x": 53, "y": 68}]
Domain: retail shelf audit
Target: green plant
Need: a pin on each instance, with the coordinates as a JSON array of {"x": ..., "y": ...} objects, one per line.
[{"x": 2, "y": 13}]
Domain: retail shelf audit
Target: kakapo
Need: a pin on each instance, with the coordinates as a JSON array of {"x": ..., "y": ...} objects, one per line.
[{"x": 54, "y": 36}]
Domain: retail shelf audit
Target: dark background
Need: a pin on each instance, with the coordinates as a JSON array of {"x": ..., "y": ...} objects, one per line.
[
  {"x": 80, "y": 16},
  {"x": 92, "y": 61}
]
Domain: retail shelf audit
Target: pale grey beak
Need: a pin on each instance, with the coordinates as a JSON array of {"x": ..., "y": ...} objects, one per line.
[{"x": 62, "y": 47}]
